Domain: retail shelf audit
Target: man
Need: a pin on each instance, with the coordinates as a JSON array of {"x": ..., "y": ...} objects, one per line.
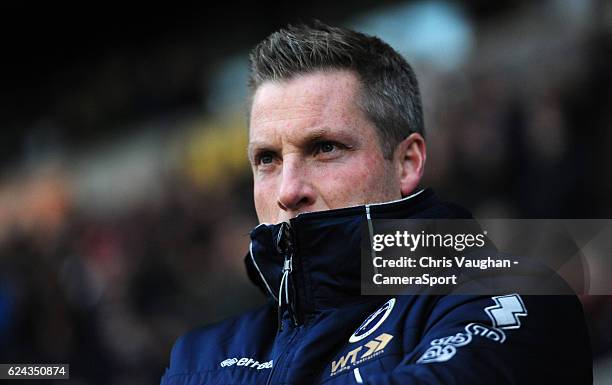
[{"x": 336, "y": 137}]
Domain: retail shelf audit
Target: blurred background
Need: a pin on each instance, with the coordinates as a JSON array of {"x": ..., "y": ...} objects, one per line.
[{"x": 125, "y": 192}]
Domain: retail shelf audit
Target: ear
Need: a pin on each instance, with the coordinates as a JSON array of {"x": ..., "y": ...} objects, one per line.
[{"x": 409, "y": 158}]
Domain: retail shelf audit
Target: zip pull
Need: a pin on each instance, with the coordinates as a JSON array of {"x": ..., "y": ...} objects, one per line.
[
  {"x": 284, "y": 241},
  {"x": 287, "y": 268},
  {"x": 284, "y": 284},
  {"x": 284, "y": 245}
]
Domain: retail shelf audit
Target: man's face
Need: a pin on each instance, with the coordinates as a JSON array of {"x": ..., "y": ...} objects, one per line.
[{"x": 311, "y": 148}]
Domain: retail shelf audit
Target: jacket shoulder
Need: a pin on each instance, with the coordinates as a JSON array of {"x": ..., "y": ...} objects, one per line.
[{"x": 203, "y": 348}]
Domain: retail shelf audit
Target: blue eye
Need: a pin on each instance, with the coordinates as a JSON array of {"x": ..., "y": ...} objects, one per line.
[
  {"x": 266, "y": 159},
  {"x": 327, "y": 147}
]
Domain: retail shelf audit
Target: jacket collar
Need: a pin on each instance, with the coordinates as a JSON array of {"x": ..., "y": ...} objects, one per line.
[{"x": 325, "y": 251}]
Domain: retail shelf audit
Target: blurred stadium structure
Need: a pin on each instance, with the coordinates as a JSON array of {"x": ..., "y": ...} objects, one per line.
[{"x": 125, "y": 193}]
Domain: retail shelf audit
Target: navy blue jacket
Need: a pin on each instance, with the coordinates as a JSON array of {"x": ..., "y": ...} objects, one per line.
[{"x": 329, "y": 333}]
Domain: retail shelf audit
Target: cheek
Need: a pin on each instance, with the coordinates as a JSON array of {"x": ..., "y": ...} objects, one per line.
[
  {"x": 362, "y": 180},
  {"x": 264, "y": 196}
]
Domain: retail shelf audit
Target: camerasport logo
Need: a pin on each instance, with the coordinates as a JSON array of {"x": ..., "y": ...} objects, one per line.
[
  {"x": 373, "y": 321},
  {"x": 246, "y": 362}
]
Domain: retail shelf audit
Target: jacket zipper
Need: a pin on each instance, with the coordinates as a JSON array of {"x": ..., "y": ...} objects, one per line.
[
  {"x": 286, "y": 247},
  {"x": 277, "y": 361}
]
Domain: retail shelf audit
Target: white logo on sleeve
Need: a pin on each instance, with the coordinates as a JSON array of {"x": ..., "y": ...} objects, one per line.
[
  {"x": 246, "y": 362},
  {"x": 443, "y": 349},
  {"x": 373, "y": 321},
  {"x": 504, "y": 314}
]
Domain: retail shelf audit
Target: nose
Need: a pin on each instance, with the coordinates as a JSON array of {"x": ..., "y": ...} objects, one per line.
[{"x": 296, "y": 192}]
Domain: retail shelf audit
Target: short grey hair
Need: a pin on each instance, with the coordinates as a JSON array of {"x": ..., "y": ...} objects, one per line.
[{"x": 389, "y": 94}]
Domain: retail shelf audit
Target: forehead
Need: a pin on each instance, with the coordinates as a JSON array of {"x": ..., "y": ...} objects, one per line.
[{"x": 323, "y": 98}]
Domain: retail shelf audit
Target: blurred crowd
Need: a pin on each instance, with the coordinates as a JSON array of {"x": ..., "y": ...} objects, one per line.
[{"x": 109, "y": 294}]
